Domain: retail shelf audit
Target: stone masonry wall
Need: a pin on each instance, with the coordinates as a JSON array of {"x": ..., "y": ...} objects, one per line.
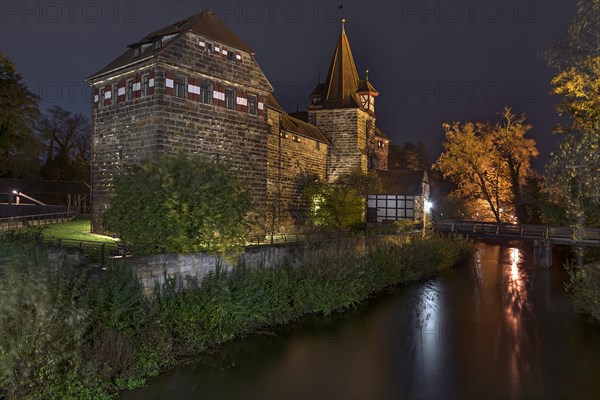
[
  {"x": 130, "y": 131},
  {"x": 346, "y": 129},
  {"x": 152, "y": 269},
  {"x": 231, "y": 136},
  {"x": 293, "y": 161},
  {"x": 122, "y": 133}
]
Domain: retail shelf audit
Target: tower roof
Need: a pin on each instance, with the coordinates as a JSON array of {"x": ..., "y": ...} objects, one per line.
[
  {"x": 206, "y": 24},
  {"x": 339, "y": 90}
]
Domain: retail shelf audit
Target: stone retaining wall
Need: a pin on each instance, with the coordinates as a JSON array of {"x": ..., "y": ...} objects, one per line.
[{"x": 152, "y": 269}]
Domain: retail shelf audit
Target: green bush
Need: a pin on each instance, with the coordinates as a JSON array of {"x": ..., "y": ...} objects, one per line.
[
  {"x": 404, "y": 225},
  {"x": 161, "y": 202},
  {"x": 116, "y": 301}
]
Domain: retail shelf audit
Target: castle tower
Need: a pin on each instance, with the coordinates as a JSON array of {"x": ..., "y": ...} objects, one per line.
[
  {"x": 193, "y": 86},
  {"x": 343, "y": 107}
]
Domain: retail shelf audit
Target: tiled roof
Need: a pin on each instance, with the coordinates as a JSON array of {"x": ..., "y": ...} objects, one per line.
[
  {"x": 296, "y": 125},
  {"x": 205, "y": 24},
  {"x": 403, "y": 182},
  {"x": 365, "y": 86},
  {"x": 339, "y": 90},
  {"x": 274, "y": 104},
  {"x": 380, "y": 133}
]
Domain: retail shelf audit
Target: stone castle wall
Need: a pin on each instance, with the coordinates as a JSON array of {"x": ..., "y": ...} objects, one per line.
[
  {"x": 293, "y": 161},
  {"x": 123, "y": 133},
  {"x": 130, "y": 128},
  {"x": 127, "y": 131},
  {"x": 348, "y": 130}
]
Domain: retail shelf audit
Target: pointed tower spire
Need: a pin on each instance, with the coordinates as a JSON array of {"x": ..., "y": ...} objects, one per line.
[{"x": 339, "y": 89}]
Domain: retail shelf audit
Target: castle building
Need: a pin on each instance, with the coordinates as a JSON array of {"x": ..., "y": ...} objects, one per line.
[{"x": 195, "y": 86}]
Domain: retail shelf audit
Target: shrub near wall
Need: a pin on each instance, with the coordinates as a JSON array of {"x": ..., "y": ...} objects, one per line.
[{"x": 116, "y": 339}]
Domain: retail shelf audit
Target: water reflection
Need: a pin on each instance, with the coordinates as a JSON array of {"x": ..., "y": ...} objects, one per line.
[
  {"x": 516, "y": 310},
  {"x": 479, "y": 331}
]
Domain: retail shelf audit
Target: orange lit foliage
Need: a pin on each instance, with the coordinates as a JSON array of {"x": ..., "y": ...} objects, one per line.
[{"x": 490, "y": 163}]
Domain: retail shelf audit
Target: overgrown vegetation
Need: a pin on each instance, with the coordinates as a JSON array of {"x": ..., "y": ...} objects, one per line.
[
  {"x": 584, "y": 288},
  {"x": 72, "y": 334},
  {"x": 340, "y": 204},
  {"x": 181, "y": 203}
]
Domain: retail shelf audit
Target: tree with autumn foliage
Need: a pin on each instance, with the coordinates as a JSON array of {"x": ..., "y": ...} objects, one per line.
[
  {"x": 490, "y": 163},
  {"x": 573, "y": 174}
]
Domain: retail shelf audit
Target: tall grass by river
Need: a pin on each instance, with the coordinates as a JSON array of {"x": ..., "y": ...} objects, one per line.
[{"x": 67, "y": 333}]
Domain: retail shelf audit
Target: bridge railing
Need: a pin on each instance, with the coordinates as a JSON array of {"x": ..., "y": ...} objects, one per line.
[{"x": 525, "y": 231}]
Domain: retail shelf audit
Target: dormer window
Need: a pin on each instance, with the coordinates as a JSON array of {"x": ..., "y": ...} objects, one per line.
[
  {"x": 136, "y": 51},
  {"x": 157, "y": 43},
  {"x": 146, "y": 47}
]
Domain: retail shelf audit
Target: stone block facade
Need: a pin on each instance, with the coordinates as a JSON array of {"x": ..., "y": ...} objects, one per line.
[
  {"x": 195, "y": 87},
  {"x": 293, "y": 161}
]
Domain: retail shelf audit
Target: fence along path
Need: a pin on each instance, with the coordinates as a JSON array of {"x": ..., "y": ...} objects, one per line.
[{"x": 37, "y": 219}]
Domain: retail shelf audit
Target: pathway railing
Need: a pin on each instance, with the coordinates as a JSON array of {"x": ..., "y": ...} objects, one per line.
[{"x": 37, "y": 219}]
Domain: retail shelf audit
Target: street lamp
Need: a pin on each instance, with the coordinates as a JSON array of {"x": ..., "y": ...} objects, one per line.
[{"x": 427, "y": 205}]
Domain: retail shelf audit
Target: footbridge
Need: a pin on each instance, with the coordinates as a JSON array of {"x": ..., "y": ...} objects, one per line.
[{"x": 543, "y": 237}]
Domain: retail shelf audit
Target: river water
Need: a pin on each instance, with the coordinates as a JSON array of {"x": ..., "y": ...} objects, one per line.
[{"x": 494, "y": 327}]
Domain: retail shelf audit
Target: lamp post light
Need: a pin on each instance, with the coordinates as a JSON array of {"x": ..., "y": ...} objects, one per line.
[{"x": 427, "y": 205}]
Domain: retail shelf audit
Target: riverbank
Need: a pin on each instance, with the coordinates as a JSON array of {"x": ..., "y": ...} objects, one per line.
[
  {"x": 101, "y": 335},
  {"x": 481, "y": 330}
]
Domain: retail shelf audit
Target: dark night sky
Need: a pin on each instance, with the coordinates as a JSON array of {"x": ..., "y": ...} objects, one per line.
[{"x": 432, "y": 62}]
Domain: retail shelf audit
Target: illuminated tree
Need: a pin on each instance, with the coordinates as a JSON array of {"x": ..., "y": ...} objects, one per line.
[
  {"x": 341, "y": 204},
  {"x": 574, "y": 170},
  {"x": 490, "y": 164}
]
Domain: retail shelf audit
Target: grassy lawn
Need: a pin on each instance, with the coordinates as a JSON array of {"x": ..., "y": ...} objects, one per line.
[{"x": 77, "y": 229}]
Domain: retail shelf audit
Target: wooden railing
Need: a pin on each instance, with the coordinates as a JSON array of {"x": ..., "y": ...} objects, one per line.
[{"x": 558, "y": 234}]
